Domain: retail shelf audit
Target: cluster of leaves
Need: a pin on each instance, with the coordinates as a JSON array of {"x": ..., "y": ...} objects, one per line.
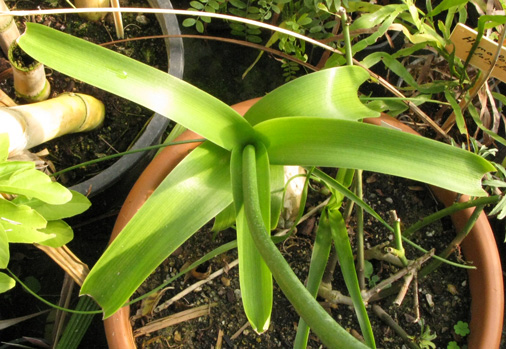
[
  {"x": 32, "y": 208},
  {"x": 240, "y": 164},
  {"x": 304, "y": 17}
]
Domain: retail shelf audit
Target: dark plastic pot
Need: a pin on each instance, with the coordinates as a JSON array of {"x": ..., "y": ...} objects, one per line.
[
  {"x": 487, "y": 306},
  {"x": 126, "y": 170}
]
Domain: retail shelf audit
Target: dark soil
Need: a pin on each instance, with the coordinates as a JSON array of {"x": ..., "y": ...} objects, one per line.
[{"x": 447, "y": 287}]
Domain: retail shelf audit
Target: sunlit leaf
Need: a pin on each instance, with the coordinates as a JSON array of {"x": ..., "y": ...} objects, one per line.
[
  {"x": 140, "y": 83},
  {"x": 60, "y": 231},
  {"x": 4, "y": 146},
  {"x": 32, "y": 183},
  {"x": 338, "y": 99},
  {"x": 195, "y": 191},
  {"x": 6, "y": 282},
  {"x": 4, "y": 248},
  {"x": 340, "y": 143},
  {"x": 78, "y": 204}
]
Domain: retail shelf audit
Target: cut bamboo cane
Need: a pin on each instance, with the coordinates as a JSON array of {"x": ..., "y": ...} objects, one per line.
[
  {"x": 30, "y": 81},
  {"x": 33, "y": 124},
  {"x": 9, "y": 32}
]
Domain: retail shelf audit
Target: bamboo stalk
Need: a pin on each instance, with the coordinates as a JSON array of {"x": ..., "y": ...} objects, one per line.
[
  {"x": 33, "y": 124},
  {"x": 9, "y": 32},
  {"x": 30, "y": 81}
]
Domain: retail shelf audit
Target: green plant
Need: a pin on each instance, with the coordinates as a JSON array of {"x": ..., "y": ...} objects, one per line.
[
  {"x": 32, "y": 208},
  {"x": 462, "y": 328},
  {"x": 426, "y": 337},
  {"x": 311, "y": 121},
  {"x": 453, "y": 345}
]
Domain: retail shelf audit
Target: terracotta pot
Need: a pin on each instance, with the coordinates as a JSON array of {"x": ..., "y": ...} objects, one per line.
[{"x": 479, "y": 246}]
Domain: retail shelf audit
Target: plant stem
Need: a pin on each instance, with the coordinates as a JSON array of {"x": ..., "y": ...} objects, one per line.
[
  {"x": 325, "y": 327},
  {"x": 346, "y": 34},
  {"x": 448, "y": 211},
  {"x": 360, "y": 231},
  {"x": 117, "y": 155}
]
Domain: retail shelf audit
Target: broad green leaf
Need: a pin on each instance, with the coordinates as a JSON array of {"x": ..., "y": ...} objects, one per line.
[
  {"x": 342, "y": 143},
  {"x": 330, "y": 93},
  {"x": 4, "y": 146},
  {"x": 254, "y": 276},
  {"x": 55, "y": 234},
  {"x": 78, "y": 204},
  {"x": 4, "y": 248},
  {"x": 140, "y": 83},
  {"x": 347, "y": 264},
  {"x": 60, "y": 231},
  {"x": 20, "y": 215},
  {"x": 194, "y": 192},
  {"x": 8, "y": 168},
  {"x": 35, "y": 184},
  {"x": 6, "y": 282}
]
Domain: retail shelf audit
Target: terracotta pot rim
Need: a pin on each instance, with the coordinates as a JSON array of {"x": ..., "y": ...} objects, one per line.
[{"x": 487, "y": 304}]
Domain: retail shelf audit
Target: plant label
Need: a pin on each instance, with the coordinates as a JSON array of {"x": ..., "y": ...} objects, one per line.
[{"x": 463, "y": 39}]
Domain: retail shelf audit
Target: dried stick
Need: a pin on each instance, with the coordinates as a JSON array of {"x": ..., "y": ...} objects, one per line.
[
  {"x": 196, "y": 285},
  {"x": 383, "y": 315},
  {"x": 174, "y": 319}
]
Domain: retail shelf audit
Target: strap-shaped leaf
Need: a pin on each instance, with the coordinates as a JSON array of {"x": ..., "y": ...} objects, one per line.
[
  {"x": 347, "y": 263},
  {"x": 193, "y": 193},
  {"x": 254, "y": 276},
  {"x": 140, "y": 83},
  {"x": 330, "y": 93},
  {"x": 341, "y": 143}
]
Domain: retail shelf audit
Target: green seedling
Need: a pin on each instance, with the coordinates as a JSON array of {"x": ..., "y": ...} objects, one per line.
[{"x": 462, "y": 328}]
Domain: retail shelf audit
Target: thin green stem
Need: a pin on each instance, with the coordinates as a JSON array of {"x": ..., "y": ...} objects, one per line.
[
  {"x": 399, "y": 248},
  {"x": 448, "y": 211},
  {"x": 346, "y": 35},
  {"x": 117, "y": 155},
  {"x": 48, "y": 302},
  {"x": 325, "y": 327},
  {"x": 360, "y": 231}
]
